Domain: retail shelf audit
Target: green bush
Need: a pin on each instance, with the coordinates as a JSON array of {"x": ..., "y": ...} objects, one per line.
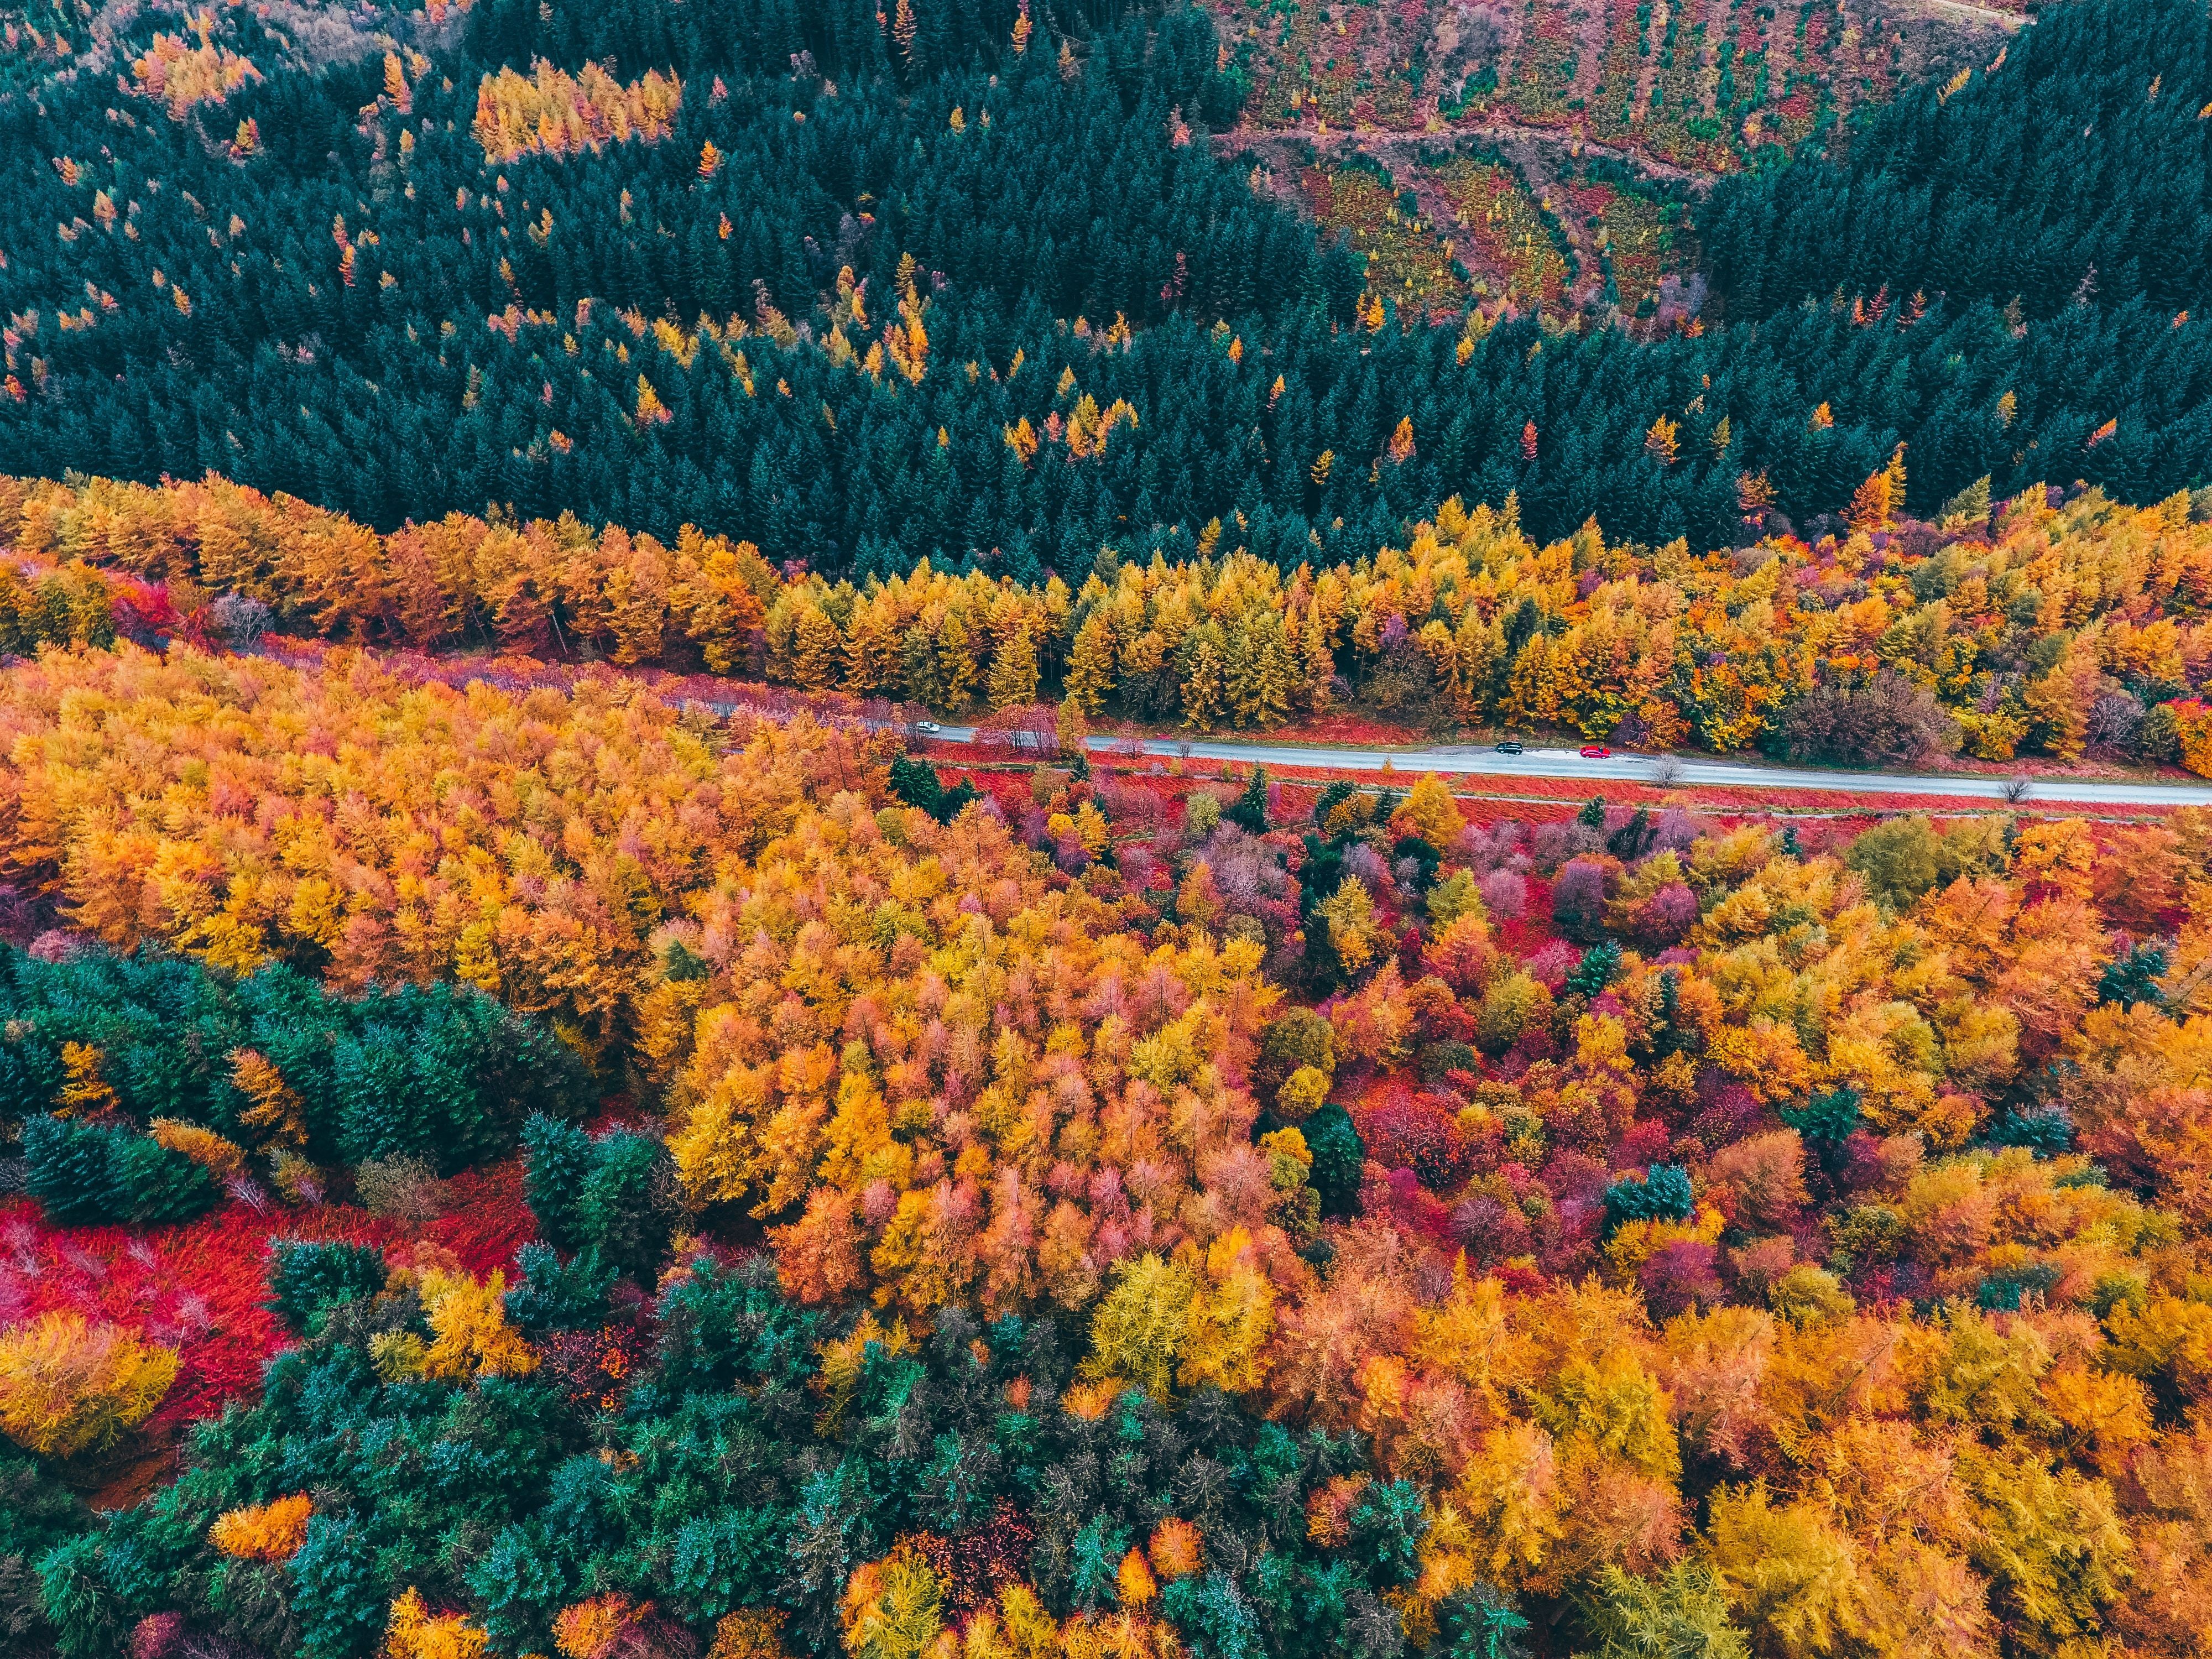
[
  {"x": 1338, "y": 1155},
  {"x": 616, "y": 1194},
  {"x": 307, "y": 1278},
  {"x": 95, "y": 1174},
  {"x": 558, "y": 1297},
  {"x": 337, "y": 1592}
]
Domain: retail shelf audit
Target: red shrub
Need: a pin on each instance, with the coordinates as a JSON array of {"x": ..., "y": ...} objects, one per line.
[
  {"x": 1408, "y": 1130},
  {"x": 486, "y": 1220},
  {"x": 198, "y": 1287}
]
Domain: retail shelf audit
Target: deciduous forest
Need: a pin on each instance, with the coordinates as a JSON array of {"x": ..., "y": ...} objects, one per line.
[{"x": 542, "y": 1114}]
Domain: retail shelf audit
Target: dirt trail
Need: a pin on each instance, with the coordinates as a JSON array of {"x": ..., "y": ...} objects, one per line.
[
  {"x": 1242, "y": 137},
  {"x": 1540, "y": 155}
]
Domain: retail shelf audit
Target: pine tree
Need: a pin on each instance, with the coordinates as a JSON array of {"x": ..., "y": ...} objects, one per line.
[
  {"x": 1877, "y": 502},
  {"x": 1090, "y": 664},
  {"x": 818, "y": 651},
  {"x": 956, "y": 663},
  {"x": 1204, "y": 690},
  {"x": 1074, "y": 731},
  {"x": 1014, "y": 670}
]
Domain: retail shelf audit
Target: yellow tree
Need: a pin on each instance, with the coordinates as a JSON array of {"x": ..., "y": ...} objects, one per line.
[
  {"x": 1205, "y": 690},
  {"x": 1429, "y": 812},
  {"x": 956, "y": 662},
  {"x": 1014, "y": 670},
  {"x": 68, "y": 1386},
  {"x": 1074, "y": 733},
  {"x": 1881, "y": 498},
  {"x": 1090, "y": 666},
  {"x": 1259, "y": 674}
]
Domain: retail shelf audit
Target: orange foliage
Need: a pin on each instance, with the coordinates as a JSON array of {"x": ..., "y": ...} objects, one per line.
[
  {"x": 182, "y": 76},
  {"x": 550, "y": 112},
  {"x": 67, "y": 1386},
  {"x": 244, "y": 813},
  {"x": 271, "y": 1532}
]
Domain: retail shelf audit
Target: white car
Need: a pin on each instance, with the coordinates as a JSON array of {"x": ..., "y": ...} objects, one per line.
[{"x": 927, "y": 729}]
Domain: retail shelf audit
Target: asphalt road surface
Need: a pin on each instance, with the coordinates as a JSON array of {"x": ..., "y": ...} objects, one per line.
[{"x": 1682, "y": 771}]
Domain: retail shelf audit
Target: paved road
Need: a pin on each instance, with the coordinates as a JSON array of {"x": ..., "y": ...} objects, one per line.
[{"x": 1689, "y": 770}]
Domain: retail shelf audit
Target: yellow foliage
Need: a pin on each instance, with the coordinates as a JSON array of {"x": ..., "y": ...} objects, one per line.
[
  {"x": 472, "y": 1338},
  {"x": 269, "y": 1532},
  {"x": 1787, "y": 1570},
  {"x": 182, "y": 76},
  {"x": 550, "y": 112},
  {"x": 1142, "y": 1328},
  {"x": 1349, "y": 915},
  {"x": 890, "y": 1608},
  {"x": 84, "y": 1092},
  {"x": 67, "y": 1386},
  {"x": 1175, "y": 1549},
  {"x": 1134, "y": 1581},
  {"x": 750, "y": 1633},
  {"x": 203, "y": 1146},
  {"x": 1231, "y": 1317},
  {"x": 1429, "y": 812},
  {"x": 273, "y": 1106},
  {"x": 414, "y": 1633}
]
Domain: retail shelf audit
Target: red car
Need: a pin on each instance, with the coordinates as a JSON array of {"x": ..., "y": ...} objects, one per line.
[{"x": 1597, "y": 752}]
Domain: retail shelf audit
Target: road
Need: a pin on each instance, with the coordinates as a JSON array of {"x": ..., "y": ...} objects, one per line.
[{"x": 1687, "y": 771}]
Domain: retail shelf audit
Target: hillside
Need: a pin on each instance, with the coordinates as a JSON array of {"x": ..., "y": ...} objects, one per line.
[
  {"x": 550, "y": 1109},
  {"x": 436, "y": 276},
  {"x": 1559, "y": 148}
]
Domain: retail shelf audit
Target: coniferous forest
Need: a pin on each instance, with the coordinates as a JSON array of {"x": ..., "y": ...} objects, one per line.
[
  {"x": 408, "y": 282},
  {"x": 545, "y": 1111}
]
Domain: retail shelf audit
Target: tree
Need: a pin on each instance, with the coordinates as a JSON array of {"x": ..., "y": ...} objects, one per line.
[
  {"x": 1889, "y": 722},
  {"x": 1578, "y": 901},
  {"x": 1074, "y": 731},
  {"x": 1338, "y": 1157},
  {"x": 308, "y": 1278},
  {"x": 1348, "y": 916},
  {"x": 1900, "y": 859},
  {"x": 891, "y": 1607},
  {"x": 1683, "y": 1615},
  {"x": 68, "y": 1386},
  {"x": 1877, "y": 502},
  {"x": 471, "y": 1338},
  {"x": 264, "y": 1532},
  {"x": 1661, "y": 1192},
  {"x": 1139, "y": 1334},
  {"x": 1429, "y": 812},
  {"x": 615, "y": 1195},
  {"x": 1014, "y": 671},
  {"x": 2061, "y": 700},
  {"x": 1091, "y": 663},
  {"x": 1789, "y": 1574},
  {"x": 1249, "y": 811}
]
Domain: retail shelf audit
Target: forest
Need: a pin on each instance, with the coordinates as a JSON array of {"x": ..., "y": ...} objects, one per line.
[
  {"x": 792, "y": 278},
  {"x": 545, "y": 1114},
  {"x": 2045, "y": 625},
  {"x": 556, "y": 1172}
]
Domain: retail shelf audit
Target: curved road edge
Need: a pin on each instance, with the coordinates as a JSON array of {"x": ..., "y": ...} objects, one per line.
[{"x": 1667, "y": 771}]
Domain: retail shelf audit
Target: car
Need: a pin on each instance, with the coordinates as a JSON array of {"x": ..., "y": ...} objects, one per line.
[
  {"x": 1509, "y": 747},
  {"x": 1597, "y": 752},
  {"x": 927, "y": 729}
]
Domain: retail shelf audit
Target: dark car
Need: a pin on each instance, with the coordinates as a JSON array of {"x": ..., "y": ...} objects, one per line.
[{"x": 1509, "y": 747}]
